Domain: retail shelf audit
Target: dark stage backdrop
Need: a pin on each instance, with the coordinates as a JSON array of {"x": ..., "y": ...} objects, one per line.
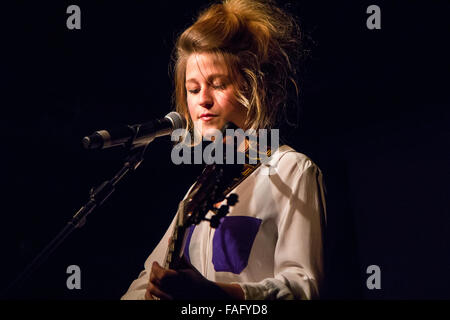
[{"x": 374, "y": 117}]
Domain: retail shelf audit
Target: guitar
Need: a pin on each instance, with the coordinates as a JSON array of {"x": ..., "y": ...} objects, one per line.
[{"x": 212, "y": 186}]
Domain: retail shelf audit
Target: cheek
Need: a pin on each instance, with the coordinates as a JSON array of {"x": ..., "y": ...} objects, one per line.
[
  {"x": 191, "y": 108},
  {"x": 232, "y": 106},
  {"x": 235, "y": 111},
  {"x": 226, "y": 101}
]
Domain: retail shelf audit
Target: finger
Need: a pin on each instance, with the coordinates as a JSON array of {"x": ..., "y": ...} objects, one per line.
[
  {"x": 154, "y": 279},
  {"x": 163, "y": 278},
  {"x": 157, "y": 273},
  {"x": 185, "y": 263},
  {"x": 148, "y": 295},
  {"x": 156, "y": 268},
  {"x": 161, "y": 273},
  {"x": 157, "y": 292}
]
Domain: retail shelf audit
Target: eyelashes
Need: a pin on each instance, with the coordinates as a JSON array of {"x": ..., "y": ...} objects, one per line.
[
  {"x": 215, "y": 87},
  {"x": 219, "y": 87}
]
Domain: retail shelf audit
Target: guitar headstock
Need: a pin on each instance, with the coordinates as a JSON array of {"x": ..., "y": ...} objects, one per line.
[{"x": 211, "y": 188}]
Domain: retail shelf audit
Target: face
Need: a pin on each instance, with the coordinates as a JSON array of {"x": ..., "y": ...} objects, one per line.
[{"x": 210, "y": 94}]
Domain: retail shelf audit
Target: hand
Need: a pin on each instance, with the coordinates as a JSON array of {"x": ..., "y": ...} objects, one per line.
[{"x": 182, "y": 284}]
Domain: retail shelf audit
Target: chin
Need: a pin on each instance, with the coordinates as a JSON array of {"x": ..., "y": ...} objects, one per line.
[
  {"x": 209, "y": 131},
  {"x": 209, "y": 128}
]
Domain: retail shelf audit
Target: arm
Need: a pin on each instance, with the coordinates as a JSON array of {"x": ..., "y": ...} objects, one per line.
[
  {"x": 233, "y": 290},
  {"x": 298, "y": 254},
  {"x": 298, "y": 268},
  {"x": 187, "y": 283},
  {"x": 137, "y": 289}
]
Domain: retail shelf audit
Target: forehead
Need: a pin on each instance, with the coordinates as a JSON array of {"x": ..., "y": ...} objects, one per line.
[{"x": 204, "y": 65}]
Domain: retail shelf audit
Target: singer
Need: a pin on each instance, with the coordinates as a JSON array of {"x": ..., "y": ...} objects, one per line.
[{"x": 236, "y": 63}]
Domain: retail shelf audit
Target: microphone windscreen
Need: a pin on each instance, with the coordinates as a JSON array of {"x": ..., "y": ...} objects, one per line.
[{"x": 178, "y": 121}]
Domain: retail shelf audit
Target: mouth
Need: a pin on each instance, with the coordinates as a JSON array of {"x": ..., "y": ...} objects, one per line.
[{"x": 207, "y": 116}]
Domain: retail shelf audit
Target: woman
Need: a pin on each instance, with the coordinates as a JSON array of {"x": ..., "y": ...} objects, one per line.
[{"x": 234, "y": 64}]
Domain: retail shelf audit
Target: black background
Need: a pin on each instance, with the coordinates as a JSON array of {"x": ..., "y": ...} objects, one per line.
[{"x": 375, "y": 119}]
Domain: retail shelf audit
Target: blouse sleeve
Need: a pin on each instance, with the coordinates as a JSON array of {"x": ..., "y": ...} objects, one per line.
[
  {"x": 137, "y": 289},
  {"x": 298, "y": 259}
]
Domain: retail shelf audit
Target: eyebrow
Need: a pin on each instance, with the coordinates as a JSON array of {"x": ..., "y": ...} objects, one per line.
[{"x": 211, "y": 77}]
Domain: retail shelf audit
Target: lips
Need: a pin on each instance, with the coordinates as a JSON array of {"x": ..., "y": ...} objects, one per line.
[{"x": 207, "y": 116}]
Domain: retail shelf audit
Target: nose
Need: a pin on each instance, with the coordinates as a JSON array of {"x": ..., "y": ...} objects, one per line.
[{"x": 205, "y": 98}]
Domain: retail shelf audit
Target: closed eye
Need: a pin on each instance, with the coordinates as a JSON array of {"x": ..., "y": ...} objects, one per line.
[
  {"x": 193, "y": 91},
  {"x": 219, "y": 87}
]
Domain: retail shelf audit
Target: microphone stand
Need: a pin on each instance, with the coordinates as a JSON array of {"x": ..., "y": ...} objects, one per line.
[{"x": 97, "y": 197}]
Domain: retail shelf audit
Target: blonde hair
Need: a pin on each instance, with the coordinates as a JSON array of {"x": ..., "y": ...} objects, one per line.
[{"x": 256, "y": 39}]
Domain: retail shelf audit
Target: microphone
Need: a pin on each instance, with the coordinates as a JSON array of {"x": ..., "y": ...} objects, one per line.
[{"x": 140, "y": 134}]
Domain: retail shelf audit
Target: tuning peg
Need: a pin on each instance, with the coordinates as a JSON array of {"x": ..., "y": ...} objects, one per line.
[
  {"x": 223, "y": 210},
  {"x": 214, "y": 222},
  {"x": 232, "y": 199}
]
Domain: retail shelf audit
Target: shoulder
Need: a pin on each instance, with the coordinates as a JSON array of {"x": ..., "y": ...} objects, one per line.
[{"x": 286, "y": 161}]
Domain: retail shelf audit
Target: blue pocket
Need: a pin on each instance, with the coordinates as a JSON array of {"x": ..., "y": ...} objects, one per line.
[{"x": 232, "y": 243}]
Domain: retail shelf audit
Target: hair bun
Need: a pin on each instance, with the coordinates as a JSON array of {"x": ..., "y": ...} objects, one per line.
[{"x": 260, "y": 45}]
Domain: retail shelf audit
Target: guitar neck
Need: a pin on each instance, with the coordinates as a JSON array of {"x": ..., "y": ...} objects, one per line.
[
  {"x": 211, "y": 187},
  {"x": 177, "y": 241}
]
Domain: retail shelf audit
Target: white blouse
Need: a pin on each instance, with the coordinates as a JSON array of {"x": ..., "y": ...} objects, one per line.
[{"x": 271, "y": 241}]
